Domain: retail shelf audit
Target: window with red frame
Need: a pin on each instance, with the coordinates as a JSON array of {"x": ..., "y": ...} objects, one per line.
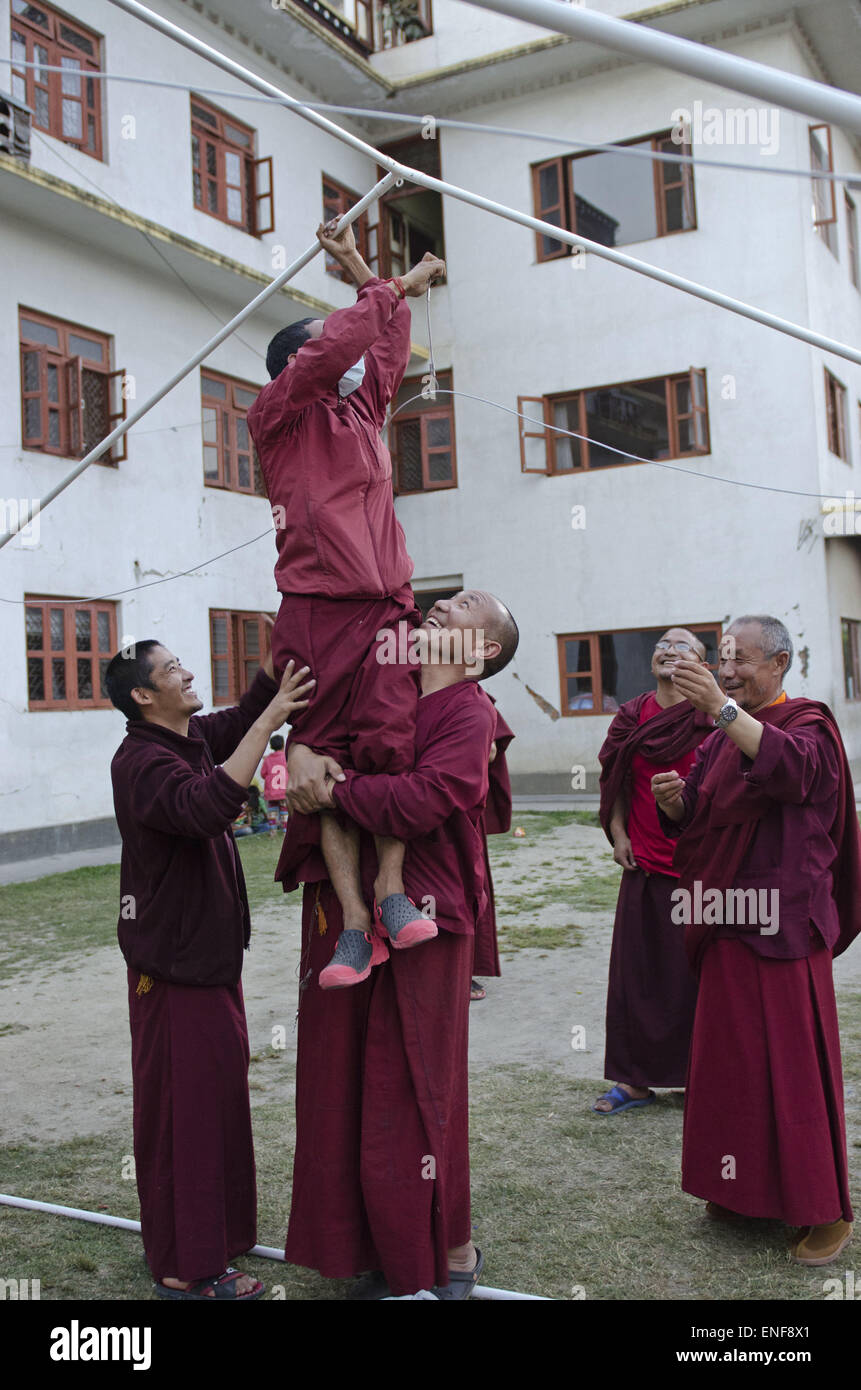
[
  {"x": 409, "y": 219},
  {"x": 69, "y": 647},
  {"x": 835, "y": 409},
  {"x": 229, "y": 456},
  {"x": 336, "y": 201},
  {"x": 599, "y": 671},
  {"x": 421, "y": 438},
  {"x": 70, "y": 397},
  {"x": 229, "y": 182},
  {"x": 824, "y": 207},
  {"x": 239, "y": 642},
  {"x": 663, "y": 418},
  {"x": 615, "y": 199},
  {"x": 66, "y": 104}
]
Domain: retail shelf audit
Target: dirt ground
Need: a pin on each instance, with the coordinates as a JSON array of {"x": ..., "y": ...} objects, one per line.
[{"x": 65, "y": 1044}]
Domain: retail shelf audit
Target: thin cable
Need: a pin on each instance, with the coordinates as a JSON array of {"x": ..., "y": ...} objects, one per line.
[{"x": 446, "y": 123}]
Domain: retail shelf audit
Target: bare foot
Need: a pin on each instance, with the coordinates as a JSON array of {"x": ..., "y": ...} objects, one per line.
[
  {"x": 463, "y": 1258},
  {"x": 635, "y": 1092}
]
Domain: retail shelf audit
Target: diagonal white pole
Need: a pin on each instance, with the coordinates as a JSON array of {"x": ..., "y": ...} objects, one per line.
[
  {"x": 199, "y": 356},
  {"x": 665, "y": 277},
  {"x": 697, "y": 59}
]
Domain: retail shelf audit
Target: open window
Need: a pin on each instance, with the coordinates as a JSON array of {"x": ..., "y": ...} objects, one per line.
[{"x": 70, "y": 397}]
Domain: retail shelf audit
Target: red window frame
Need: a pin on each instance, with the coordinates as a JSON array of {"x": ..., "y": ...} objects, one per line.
[
  {"x": 835, "y": 411},
  {"x": 423, "y": 412},
  {"x": 852, "y": 239},
  {"x": 694, "y": 379},
  {"x": 241, "y": 643},
  {"x": 217, "y": 138},
  {"x": 60, "y": 644},
  {"x": 338, "y": 199},
  {"x": 560, "y": 210},
  {"x": 593, "y": 671},
  {"x": 58, "y": 42},
  {"x": 388, "y": 237},
  {"x": 226, "y": 437},
  {"x": 58, "y": 383},
  {"x": 850, "y": 632}
]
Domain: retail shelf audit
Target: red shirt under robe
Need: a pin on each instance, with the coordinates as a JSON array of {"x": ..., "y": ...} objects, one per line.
[{"x": 653, "y": 850}]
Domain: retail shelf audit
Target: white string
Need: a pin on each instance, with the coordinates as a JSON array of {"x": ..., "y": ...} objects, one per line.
[{"x": 446, "y": 123}]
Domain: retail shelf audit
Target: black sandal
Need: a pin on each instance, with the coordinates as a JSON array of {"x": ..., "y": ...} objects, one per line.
[{"x": 223, "y": 1286}]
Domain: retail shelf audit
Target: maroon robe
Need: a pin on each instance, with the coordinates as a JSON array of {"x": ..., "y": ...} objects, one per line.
[
  {"x": 765, "y": 1085},
  {"x": 381, "y": 1168},
  {"x": 495, "y": 821},
  {"x": 184, "y": 943},
  {"x": 651, "y": 992}
]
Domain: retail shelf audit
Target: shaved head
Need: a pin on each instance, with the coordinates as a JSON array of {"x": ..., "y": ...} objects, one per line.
[
  {"x": 499, "y": 626},
  {"x": 683, "y": 634}
]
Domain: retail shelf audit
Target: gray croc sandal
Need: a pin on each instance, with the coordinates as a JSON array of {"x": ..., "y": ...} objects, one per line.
[
  {"x": 461, "y": 1282},
  {"x": 402, "y": 922},
  {"x": 369, "y": 1286}
]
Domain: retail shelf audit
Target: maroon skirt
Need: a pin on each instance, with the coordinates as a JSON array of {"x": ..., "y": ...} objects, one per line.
[{"x": 764, "y": 1131}]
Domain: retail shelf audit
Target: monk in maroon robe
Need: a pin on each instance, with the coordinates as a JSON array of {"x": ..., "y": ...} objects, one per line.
[
  {"x": 769, "y": 859},
  {"x": 651, "y": 991},
  {"x": 381, "y": 1169},
  {"x": 343, "y": 570},
  {"x": 183, "y": 929}
]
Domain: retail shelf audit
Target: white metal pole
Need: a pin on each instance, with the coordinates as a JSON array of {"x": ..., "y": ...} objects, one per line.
[
  {"x": 609, "y": 253},
  {"x": 263, "y": 1252},
  {"x": 199, "y": 356},
  {"x": 697, "y": 59}
]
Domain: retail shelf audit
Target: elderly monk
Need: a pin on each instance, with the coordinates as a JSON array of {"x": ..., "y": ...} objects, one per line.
[
  {"x": 769, "y": 860},
  {"x": 651, "y": 992},
  {"x": 183, "y": 929},
  {"x": 343, "y": 570},
  {"x": 381, "y": 1169}
]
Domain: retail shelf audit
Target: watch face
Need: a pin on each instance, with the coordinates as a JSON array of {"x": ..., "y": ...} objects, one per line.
[{"x": 728, "y": 714}]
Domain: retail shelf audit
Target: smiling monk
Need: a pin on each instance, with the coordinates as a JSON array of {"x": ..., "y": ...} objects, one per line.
[{"x": 769, "y": 804}]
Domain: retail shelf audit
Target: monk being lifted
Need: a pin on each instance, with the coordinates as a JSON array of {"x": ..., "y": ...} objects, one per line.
[{"x": 343, "y": 572}]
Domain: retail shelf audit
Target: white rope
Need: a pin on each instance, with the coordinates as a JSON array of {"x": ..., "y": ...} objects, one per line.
[
  {"x": 376, "y": 113},
  {"x": 263, "y": 1252},
  {"x": 650, "y": 45}
]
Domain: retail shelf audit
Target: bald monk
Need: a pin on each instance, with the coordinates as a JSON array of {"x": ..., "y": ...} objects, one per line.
[
  {"x": 343, "y": 571},
  {"x": 381, "y": 1170},
  {"x": 769, "y": 859},
  {"x": 183, "y": 928},
  {"x": 651, "y": 991}
]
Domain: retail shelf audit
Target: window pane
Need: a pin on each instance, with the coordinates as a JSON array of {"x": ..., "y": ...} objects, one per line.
[
  {"x": 243, "y": 470},
  {"x": 83, "y": 630},
  {"x": 232, "y": 167},
  {"x": 234, "y": 205},
  {"x": 41, "y": 56},
  {"x": 35, "y": 678},
  {"x": 580, "y": 692},
  {"x": 674, "y": 202},
  {"x": 614, "y": 197},
  {"x": 43, "y": 108},
  {"x": 32, "y": 418},
  {"x": 251, "y": 636},
  {"x": 53, "y": 376},
  {"x": 31, "y": 371},
  {"x": 73, "y": 121},
  {"x": 683, "y": 397},
  {"x": 548, "y": 189},
  {"x": 630, "y": 417},
  {"x": 577, "y": 656},
  {"x": 94, "y": 387},
  {"x": 57, "y": 629},
  {"x": 33, "y": 624},
  {"x": 77, "y": 40},
  {"x": 198, "y": 188},
  {"x": 70, "y": 78},
  {"x": 548, "y": 244},
  {"x": 19, "y": 48},
  {"x": 439, "y": 432},
  {"x": 241, "y": 433},
  {"x": 85, "y": 679},
  {"x": 58, "y": 679},
  {"x": 221, "y": 681},
  {"x": 244, "y": 398},
  {"x": 88, "y": 348},
  {"x": 211, "y": 387},
  {"x": 19, "y": 88},
  {"x": 195, "y": 151},
  {"x": 239, "y": 137},
  {"x": 219, "y": 636},
  {"x": 103, "y": 621},
  {"x": 210, "y": 464},
  {"x": 54, "y": 429},
  {"x": 31, "y": 12},
  {"x": 212, "y": 196},
  {"x": 250, "y": 673},
  {"x": 34, "y": 332},
  {"x": 211, "y": 166},
  {"x": 103, "y": 666},
  {"x": 200, "y": 113},
  {"x": 408, "y": 438},
  {"x": 566, "y": 416},
  {"x": 210, "y": 425},
  {"x": 439, "y": 468}
]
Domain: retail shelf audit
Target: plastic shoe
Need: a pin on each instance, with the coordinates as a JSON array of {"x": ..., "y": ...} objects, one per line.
[
  {"x": 398, "y": 917},
  {"x": 355, "y": 955}
]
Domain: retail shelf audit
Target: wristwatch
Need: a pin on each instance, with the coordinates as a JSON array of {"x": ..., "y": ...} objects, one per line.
[{"x": 728, "y": 713}]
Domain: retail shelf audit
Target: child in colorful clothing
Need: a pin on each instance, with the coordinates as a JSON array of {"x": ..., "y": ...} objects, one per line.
[{"x": 274, "y": 770}]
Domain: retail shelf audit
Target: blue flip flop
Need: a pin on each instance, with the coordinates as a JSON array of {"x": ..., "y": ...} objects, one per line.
[{"x": 622, "y": 1101}]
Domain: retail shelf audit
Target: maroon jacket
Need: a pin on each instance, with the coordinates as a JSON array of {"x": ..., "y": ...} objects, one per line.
[
  {"x": 438, "y": 808},
  {"x": 184, "y": 911},
  {"x": 323, "y": 459}
]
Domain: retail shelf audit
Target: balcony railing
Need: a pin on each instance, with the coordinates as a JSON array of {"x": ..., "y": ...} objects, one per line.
[{"x": 372, "y": 25}]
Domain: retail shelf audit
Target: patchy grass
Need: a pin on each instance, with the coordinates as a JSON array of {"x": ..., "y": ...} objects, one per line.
[
  {"x": 562, "y": 1201},
  {"x": 74, "y": 914},
  {"x": 512, "y": 938}
]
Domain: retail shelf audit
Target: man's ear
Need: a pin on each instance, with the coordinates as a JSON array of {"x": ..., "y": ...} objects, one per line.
[
  {"x": 141, "y": 695},
  {"x": 487, "y": 649},
  {"x": 291, "y": 359}
]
